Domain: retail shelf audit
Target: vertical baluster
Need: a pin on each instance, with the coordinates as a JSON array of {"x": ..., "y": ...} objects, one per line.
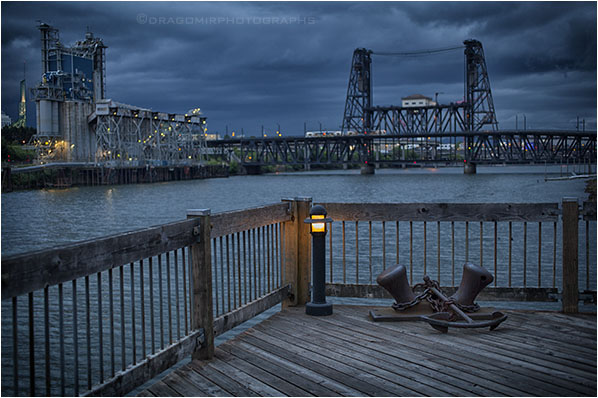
[
  {"x": 151, "y": 297},
  {"x": 239, "y": 268},
  {"x": 184, "y": 269},
  {"x": 554, "y": 256},
  {"x": 280, "y": 241},
  {"x": 438, "y": 247},
  {"x": 383, "y": 245},
  {"x": 539, "y": 254},
  {"x": 111, "y": 293},
  {"x": 495, "y": 253},
  {"x": 266, "y": 249},
  {"x": 510, "y": 249},
  {"x": 161, "y": 306},
  {"x": 481, "y": 244},
  {"x": 397, "y": 242},
  {"x": 169, "y": 297},
  {"x": 232, "y": 238},
  {"x": 344, "y": 256},
  {"x": 245, "y": 298},
  {"x": 31, "y": 348},
  {"x": 263, "y": 252},
  {"x": 524, "y": 253},
  {"x": 255, "y": 265},
  {"x": 100, "y": 328},
  {"x": 268, "y": 270},
  {"x": 249, "y": 267},
  {"x": 88, "y": 331},
  {"x": 47, "y": 340},
  {"x": 587, "y": 254},
  {"x": 228, "y": 308},
  {"x": 190, "y": 291},
  {"x": 75, "y": 339},
  {"x": 142, "y": 305},
  {"x": 466, "y": 241},
  {"x": 215, "y": 287},
  {"x": 425, "y": 248},
  {"x": 453, "y": 253},
  {"x": 221, "y": 270},
  {"x": 15, "y": 346},
  {"x": 61, "y": 338},
  {"x": 122, "y": 318},
  {"x": 330, "y": 248},
  {"x": 272, "y": 257},
  {"x": 370, "y": 251},
  {"x": 356, "y": 252},
  {"x": 177, "y": 295},
  {"x": 411, "y": 252},
  {"x": 133, "y": 334}
]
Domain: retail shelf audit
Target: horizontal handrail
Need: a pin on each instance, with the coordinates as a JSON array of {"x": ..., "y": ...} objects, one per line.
[
  {"x": 442, "y": 211},
  {"x": 241, "y": 220},
  {"x": 28, "y": 272}
]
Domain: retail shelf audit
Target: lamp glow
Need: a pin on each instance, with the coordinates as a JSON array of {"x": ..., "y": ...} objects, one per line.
[{"x": 318, "y": 226}]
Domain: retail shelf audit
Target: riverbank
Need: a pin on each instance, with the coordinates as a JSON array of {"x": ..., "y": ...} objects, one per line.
[{"x": 72, "y": 175}]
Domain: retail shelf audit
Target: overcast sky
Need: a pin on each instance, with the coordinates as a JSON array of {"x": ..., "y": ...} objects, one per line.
[{"x": 252, "y": 64}]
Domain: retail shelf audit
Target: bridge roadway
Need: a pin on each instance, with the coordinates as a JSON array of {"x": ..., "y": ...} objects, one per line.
[{"x": 468, "y": 148}]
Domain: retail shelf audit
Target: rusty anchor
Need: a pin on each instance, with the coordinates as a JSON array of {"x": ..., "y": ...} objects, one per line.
[
  {"x": 442, "y": 320},
  {"x": 448, "y": 312}
]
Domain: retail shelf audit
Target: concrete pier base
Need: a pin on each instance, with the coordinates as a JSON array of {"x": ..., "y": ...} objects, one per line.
[
  {"x": 368, "y": 169},
  {"x": 470, "y": 168},
  {"x": 253, "y": 170}
]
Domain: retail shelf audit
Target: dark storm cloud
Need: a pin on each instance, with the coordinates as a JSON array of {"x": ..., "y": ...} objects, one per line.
[{"x": 247, "y": 70}]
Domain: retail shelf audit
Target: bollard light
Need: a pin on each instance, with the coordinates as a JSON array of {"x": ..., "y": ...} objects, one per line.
[{"x": 318, "y": 220}]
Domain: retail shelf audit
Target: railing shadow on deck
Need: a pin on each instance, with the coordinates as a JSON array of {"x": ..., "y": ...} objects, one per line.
[{"x": 181, "y": 284}]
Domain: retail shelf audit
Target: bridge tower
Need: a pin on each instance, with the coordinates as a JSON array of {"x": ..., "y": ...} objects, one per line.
[
  {"x": 358, "y": 116},
  {"x": 479, "y": 111},
  {"x": 479, "y": 106}
]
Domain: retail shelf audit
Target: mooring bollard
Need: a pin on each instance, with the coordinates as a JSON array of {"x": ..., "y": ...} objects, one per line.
[{"x": 318, "y": 220}]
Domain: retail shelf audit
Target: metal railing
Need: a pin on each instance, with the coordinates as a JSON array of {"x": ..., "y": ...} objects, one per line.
[
  {"x": 521, "y": 244},
  {"x": 103, "y": 316}
]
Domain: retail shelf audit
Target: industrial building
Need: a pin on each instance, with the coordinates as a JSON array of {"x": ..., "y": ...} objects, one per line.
[
  {"x": 417, "y": 100},
  {"x": 5, "y": 119},
  {"x": 76, "y": 123}
]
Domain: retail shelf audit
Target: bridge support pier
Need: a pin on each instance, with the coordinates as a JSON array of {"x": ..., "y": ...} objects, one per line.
[
  {"x": 368, "y": 169},
  {"x": 470, "y": 168},
  {"x": 253, "y": 170}
]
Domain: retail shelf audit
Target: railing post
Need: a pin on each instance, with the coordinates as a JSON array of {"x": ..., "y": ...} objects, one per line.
[
  {"x": 297, "y": 252},
  {"x": 202, "y": 315},
  {"x": 570, "y": 255}
]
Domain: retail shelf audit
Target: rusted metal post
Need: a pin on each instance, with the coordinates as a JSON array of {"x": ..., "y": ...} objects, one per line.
[
  {"x": 201, "y": 274},
  {"x": 297, "y": 252},
  {"x": 570, "y": 255}
]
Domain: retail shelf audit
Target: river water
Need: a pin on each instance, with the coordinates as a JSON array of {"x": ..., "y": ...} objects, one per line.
[{"x": 37, "y": 219}]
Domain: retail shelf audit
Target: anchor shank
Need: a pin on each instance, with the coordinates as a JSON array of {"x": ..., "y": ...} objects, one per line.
[{"x": 453, "y": 307}]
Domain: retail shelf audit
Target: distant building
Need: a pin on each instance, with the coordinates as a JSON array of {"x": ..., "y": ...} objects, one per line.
[
  {"x": 416, "y": 101},
  {"x": 5, "y": 119}
]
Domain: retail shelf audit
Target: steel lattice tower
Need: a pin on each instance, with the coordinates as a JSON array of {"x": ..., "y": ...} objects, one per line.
[
  {"x": 478, "y": 96},
  {"x": 358, "y": 116}
]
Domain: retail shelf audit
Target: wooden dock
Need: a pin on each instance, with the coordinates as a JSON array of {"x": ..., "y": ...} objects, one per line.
[{"x": 291, "y": 354}]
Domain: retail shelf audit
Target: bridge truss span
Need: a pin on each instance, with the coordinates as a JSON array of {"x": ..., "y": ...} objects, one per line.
[{"x": 483, "y": 147}]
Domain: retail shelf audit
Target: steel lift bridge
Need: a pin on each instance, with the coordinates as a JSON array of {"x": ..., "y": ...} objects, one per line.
[
  {"x": 465, "y": 132},
  {"x": 475, "y": 113}
]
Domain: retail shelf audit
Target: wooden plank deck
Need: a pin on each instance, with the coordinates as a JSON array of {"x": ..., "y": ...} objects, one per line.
[{"x": 291, "y": 354}]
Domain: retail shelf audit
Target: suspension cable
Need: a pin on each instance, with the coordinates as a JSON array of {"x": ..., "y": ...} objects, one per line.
[{"x": 420, "y": 53}]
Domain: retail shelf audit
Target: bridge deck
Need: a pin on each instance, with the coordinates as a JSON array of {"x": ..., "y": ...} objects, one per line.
[{"x": 532, "y": 353}]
